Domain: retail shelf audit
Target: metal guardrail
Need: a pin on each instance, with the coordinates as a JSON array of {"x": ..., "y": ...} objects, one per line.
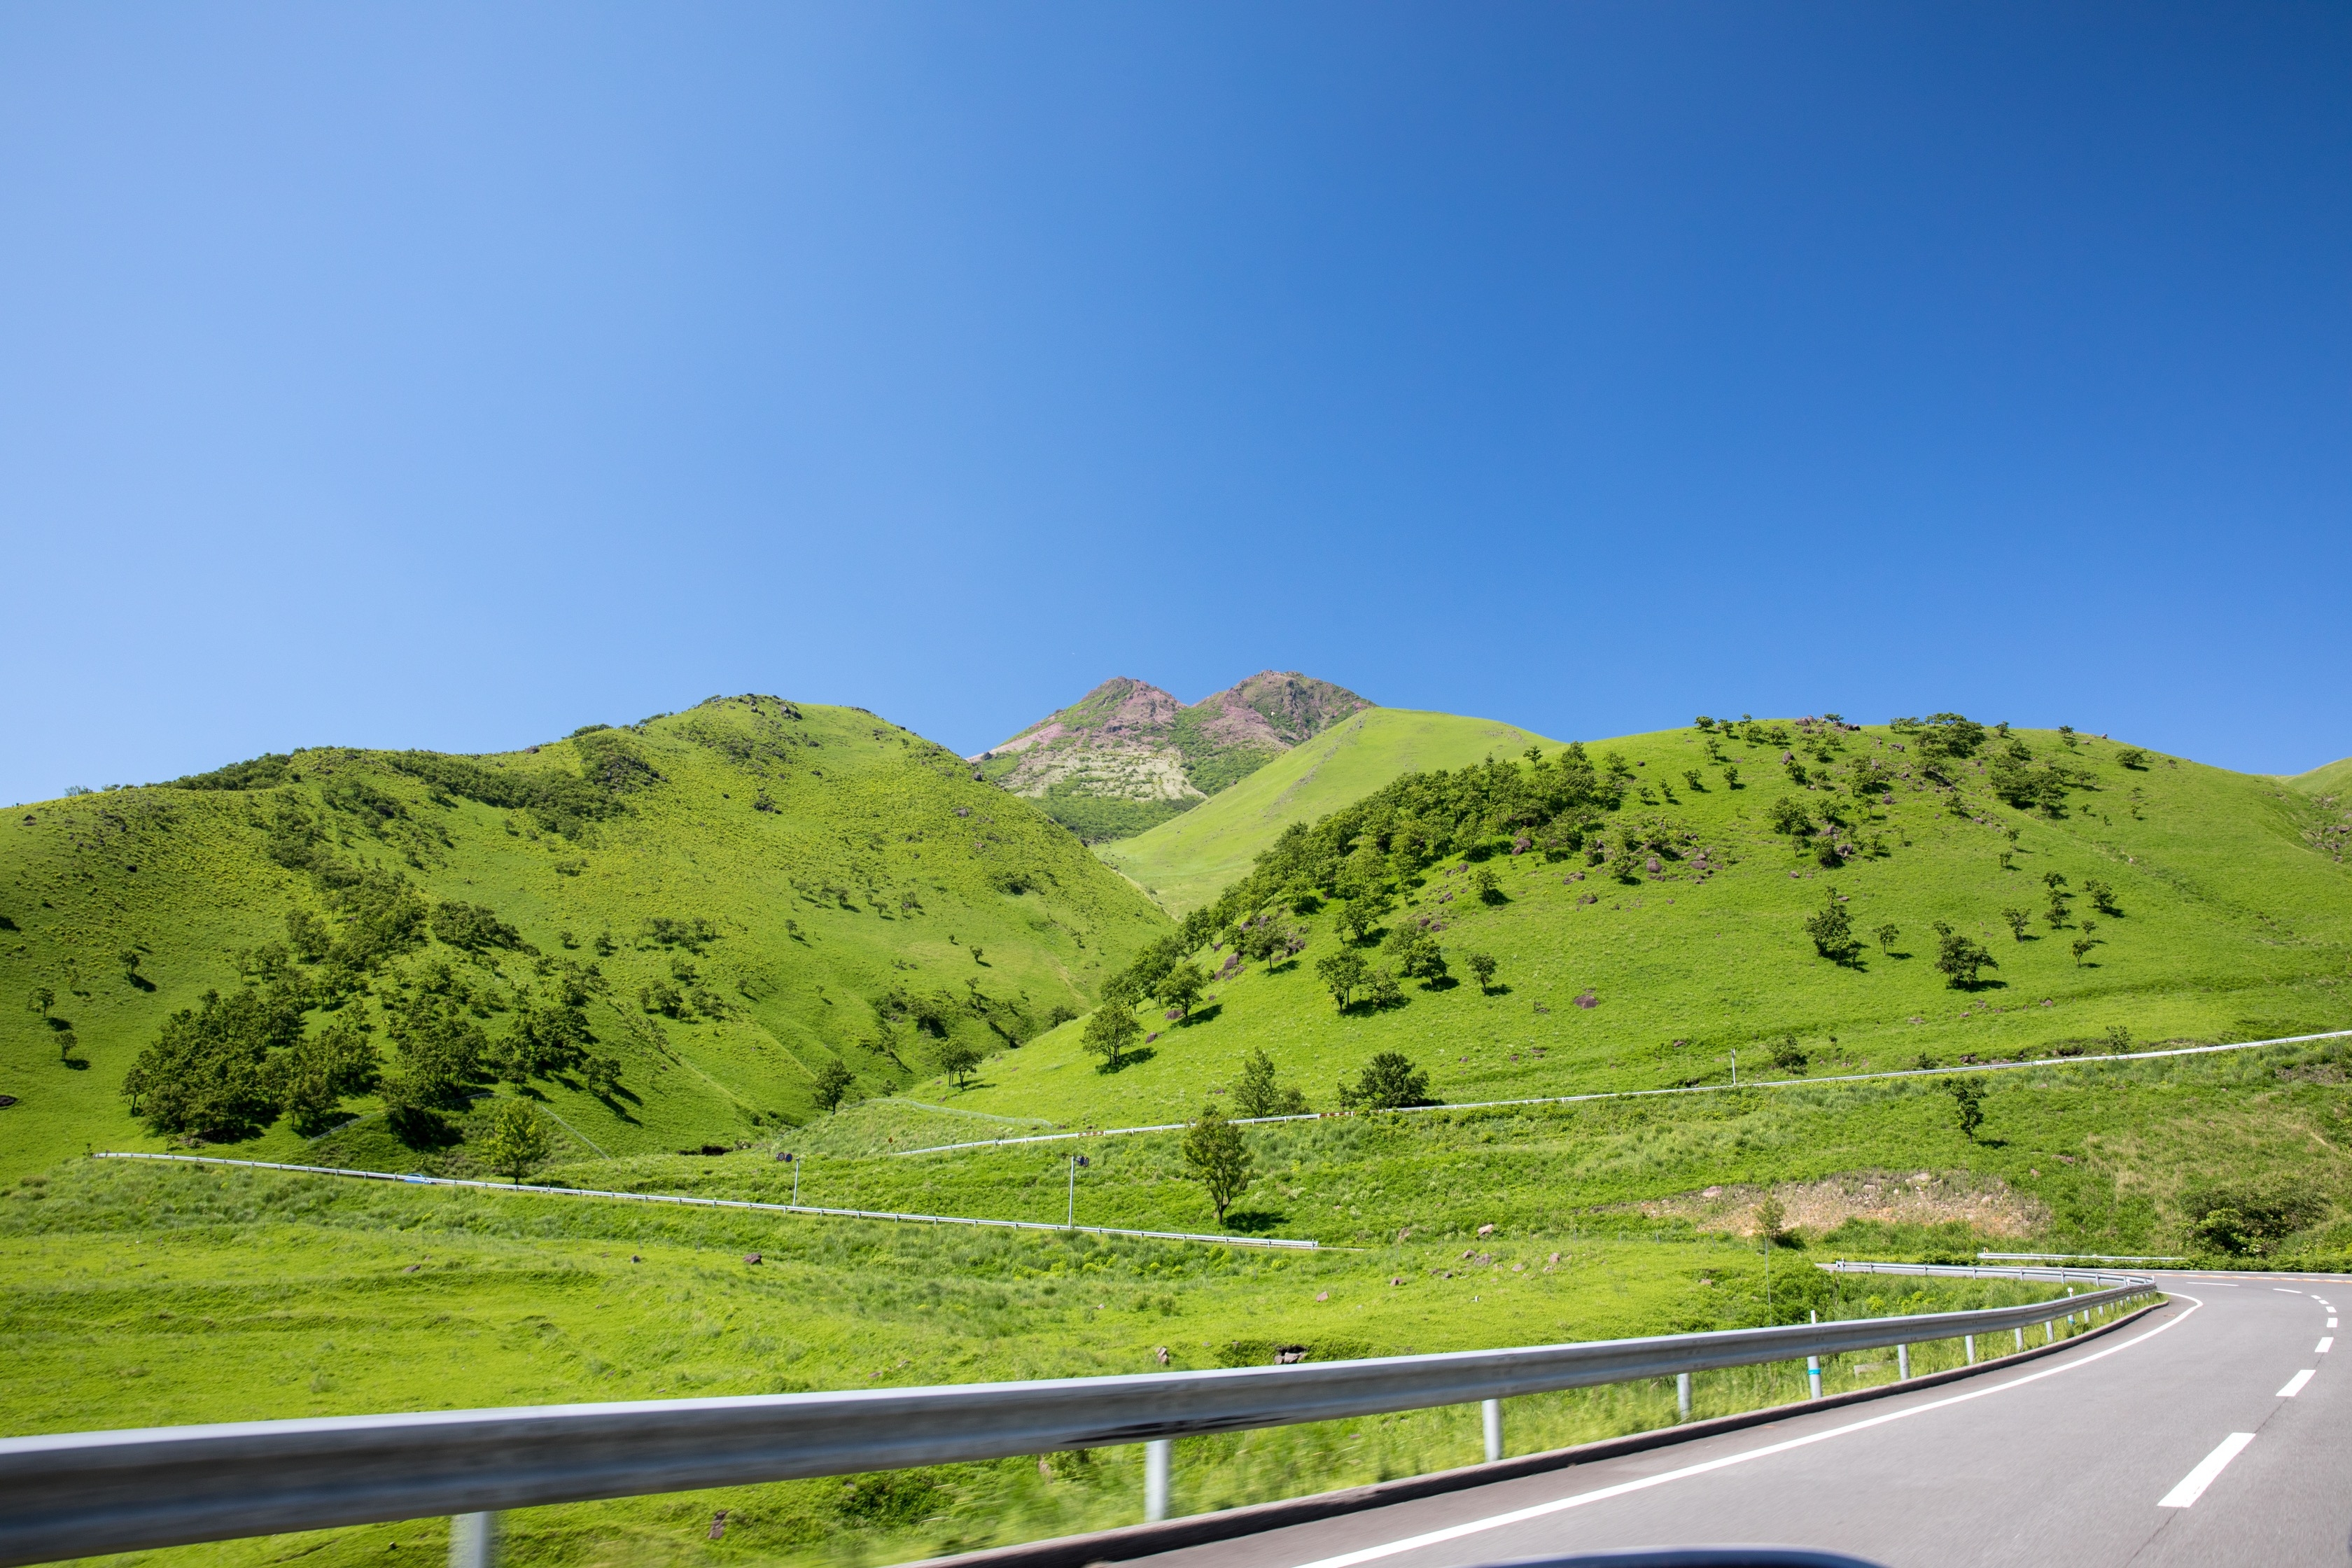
[
  {"x": 1979, "y": 1271},
  {"x": 85, "y": 1493},
  {"x": 2077, "y": 1258}
]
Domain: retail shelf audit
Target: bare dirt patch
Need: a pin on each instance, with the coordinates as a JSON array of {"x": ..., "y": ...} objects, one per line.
[{"x": 1893, "y": 1197}]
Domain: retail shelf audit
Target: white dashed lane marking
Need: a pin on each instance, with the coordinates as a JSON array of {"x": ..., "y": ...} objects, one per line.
[
  {"x": 2294, "y": 1384},
  {"x": 2326, "y": 1343},
  {"x": 2193, "y": 1485}
]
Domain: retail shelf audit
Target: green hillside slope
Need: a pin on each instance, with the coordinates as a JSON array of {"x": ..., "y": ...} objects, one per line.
[
  {"x": 710, "y": 907},
  {"x": 2332, "y": 779},
  {"x": 2229, "y": 917},
  {"x": 1187, "y": 861}
]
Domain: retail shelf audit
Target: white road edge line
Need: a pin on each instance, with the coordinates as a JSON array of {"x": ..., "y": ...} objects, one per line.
[
  {"x": 2193, "y": 1485},
  {"x": 1602, "y": 1494},
  {"x": 2294, "y": 1384}
]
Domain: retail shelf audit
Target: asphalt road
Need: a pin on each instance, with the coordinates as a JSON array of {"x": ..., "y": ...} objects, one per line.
[{"x": 2174, "y": 1441}]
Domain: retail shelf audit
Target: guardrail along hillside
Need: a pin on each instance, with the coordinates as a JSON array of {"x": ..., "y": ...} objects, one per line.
[{"x": 86, "y": 1493}]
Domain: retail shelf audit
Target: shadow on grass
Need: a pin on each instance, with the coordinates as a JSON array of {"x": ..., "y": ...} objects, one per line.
[{"x": 1253, "y": 1222}]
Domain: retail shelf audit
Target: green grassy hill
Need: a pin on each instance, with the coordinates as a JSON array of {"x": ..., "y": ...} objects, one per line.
[
  {"x": 2230, "y": 919},
  {"x": 2333, "y": 779},
  {"x": 716, "y": 903},
  {"x": 1189, "y": 860}
]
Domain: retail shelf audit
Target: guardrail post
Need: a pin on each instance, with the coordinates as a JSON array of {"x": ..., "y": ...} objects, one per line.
[
  {"x": 1971, "y": 1340},
  {"x": 1157, "y": 1456},
  {"x": 2020, "y": 1339},
  {"x": 1682, "y": 1396},
  {"x": 1491, "y": 1413},
  {"x": 473, "y": 1540},
  {"x": 1903, "y": 1362}
]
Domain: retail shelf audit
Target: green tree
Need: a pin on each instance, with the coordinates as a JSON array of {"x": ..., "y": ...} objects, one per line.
[
  {"x": 1968, "y": 1104},
  {"x": 1772, "y": 1220},
  {"x": 1625, "y": 865},
  {"x": 2081, "y": 948},
  {"x": 1691, "y": 777},
  {"x": 1489, "y": 888},
  {"x": 1387, "y": 1082},
  {"x": 209, "y": 1070},
  {"x": 1359, "y": 917},
  {"x": 1789, "y": 1056},
  {"x": 1832, "y": 929},
  {"x": 1256, "y": 1094},
  {"x": 603, "y": 1076},
  {"x": 1731, "y": 775},
  {"x": 316, "y": 1075},
  {"x": 833, "y": 1082},
  {"x": 1482, "y": 969},
  {"x": 1381, "y": 989},
  {"x": 1342, "y": 973},
  {"x": 2103, "y": 896},
  {"x": 1110, "y": 1033},
  {"x": 40, "y": 1001},
  {"x": 955, "y": 1059},
  {"x": 1886, "y": 935},
  {"x": 2132, "y": 757},
  {"x": 1215, "y": 1157},
  {"x": 2018, "y": 920},
  {"x": 1960, "y": 959},
  {"x": 67, "y": 1043},
  {"x": 1180, "y": 988},
  {"x": 517, "y": 1143}
]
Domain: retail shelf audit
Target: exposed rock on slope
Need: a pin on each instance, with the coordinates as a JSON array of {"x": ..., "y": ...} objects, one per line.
[{"x": 1128, "y": 755}]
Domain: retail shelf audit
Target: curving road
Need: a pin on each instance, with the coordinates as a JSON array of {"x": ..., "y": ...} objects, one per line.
[{"x": 2210, "y": 1432}]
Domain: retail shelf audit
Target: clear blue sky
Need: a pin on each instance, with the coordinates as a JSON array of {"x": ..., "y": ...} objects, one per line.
[{"x": 451, "y": 376}]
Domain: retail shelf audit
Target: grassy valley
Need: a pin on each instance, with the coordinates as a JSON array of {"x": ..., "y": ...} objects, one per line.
[{"x": 1190, "y": 859}]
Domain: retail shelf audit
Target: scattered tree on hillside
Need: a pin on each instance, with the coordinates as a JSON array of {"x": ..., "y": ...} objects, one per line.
[
  {"x": 1968, "y": 1103},
  {"x": 1415, "y": 954},
  {"x": 1482, "y": 969},
  {"x": 1180, "y": 988},
  {"x": 1343, "y": 973},
  {"x": 316, "y": 1075},
  {"x": 603, "y": 1076},
  {"x": 1625, "y": 865},
  {"x": 833, "y": 1082},
  {"x": 2053, "y": 880},
  {"x": 1771, "y": 1218},
  {"x": 1215, "y": 1157},
  {"x": 1792, "y": 819},
  {"x": 2103, "y": 896},
  {"x": 517, "y": 1143},
  {"x": 1789, "y": 1056},
  {"x": 1886, "y": 934},
  {"x": 40, "y": 1001},
  {"x": 2056, "y": 913},
  {"x": 2118, "y": 1038},
  {"x": 2081, "y": 948},
  {"x": 1490, "y": 889},
  {"x": 1359, "y": 917},
  {"x": 1832, "y": 929},
  {"x": 2132, "y": 757},
  {"x": 1960, "y": 959},
  {"x": 1111, "y": 1032},
  {"x": 2018, "y": 920},
  {"x": 1381, "y": 990},
  {"x": 954, "y": 1058},
  {"x": 1731, "y": 775},
  {"x": 1256, "y": 1093},
  {"x": 1691, "y": 777},
  {"x": 1388, "y": 1081}
]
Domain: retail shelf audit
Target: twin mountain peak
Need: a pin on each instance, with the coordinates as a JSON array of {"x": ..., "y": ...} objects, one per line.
[{"x": 1128, "y": 755}]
